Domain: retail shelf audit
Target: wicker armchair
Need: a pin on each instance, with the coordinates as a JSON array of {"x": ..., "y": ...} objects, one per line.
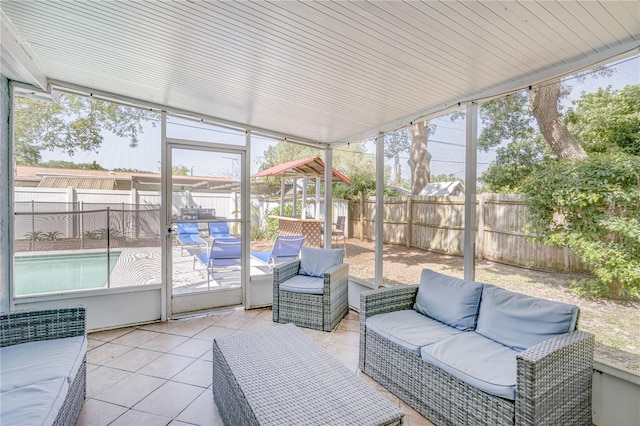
[
  {"x": 318, "y": 311},
  {"x": 35, "y": 325}
]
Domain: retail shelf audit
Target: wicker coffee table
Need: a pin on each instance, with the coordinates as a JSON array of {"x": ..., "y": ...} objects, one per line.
[{"x": 280, "y": 376}]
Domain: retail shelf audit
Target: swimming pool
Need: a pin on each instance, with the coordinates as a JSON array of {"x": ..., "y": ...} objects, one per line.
[{"x": 61, "y": 272}]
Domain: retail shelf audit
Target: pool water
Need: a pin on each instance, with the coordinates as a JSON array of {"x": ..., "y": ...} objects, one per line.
[{"x": 62, "y": 272}]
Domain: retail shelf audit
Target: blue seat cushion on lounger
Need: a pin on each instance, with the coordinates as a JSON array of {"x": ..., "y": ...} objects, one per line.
[
  {"x": 35, "y": 404},
  {"x": 303, "y": 284},
  {"x": 476, "y": 360},
  {"x": 448, "y": 299},
  {"x": 39, "y": 361},
  {"x": 520, "y": 321},
  {"x": 410, "y": 329}
]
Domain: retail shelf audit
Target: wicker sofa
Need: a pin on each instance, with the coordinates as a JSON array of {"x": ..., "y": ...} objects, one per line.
[
  {"x": 461, "y": 352},
  {"x": 43, "y": 369}
]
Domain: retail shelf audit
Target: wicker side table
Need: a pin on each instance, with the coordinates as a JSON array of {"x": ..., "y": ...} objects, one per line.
[{"x": 280, "y": 376}]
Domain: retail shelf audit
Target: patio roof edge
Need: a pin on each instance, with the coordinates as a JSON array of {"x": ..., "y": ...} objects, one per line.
[
  {"x": 618, "y": 52},
  {"x": 140, "y": 103}
]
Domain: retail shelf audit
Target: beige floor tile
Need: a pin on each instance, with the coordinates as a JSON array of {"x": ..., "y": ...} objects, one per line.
[
  {"x": 208, "y": 355},
  {"x": 134, "y": 360},
  {"x": 93, "y": 343},
  {"x": 169, "y": 399},
  {"x": 193, "y": 348},
  {"x": 265, "y": 315},
  {"x": 349, "y": 338},
  {"x": 349, "y": 325},
  {"x": 166, "y": 366},
  {"x": 163, "y": 342},
  {"x": 106, "y": 353},
  {"x": 139, "y": 418},
  {"x": 179, "y": 423},
  {"x": 233, "y": 321},
  {"x": 189, "y": 329},
  {"x": 412, "y": 417},
  {"x": 214, "y": 331},
  {"x": 135, "y": 338},
  {"x": 131, "y": 390},
  {"x": 160, "y": 327},
  {"x": 199, "y": 373},
  {"x": 202, "y": 411},
  {"x": 109, "y": 335},
  {"x": 98, "y": 413},
  {"x": 102, "y": 378},
  {"x": 259, "y": 324},
  {"x": 344, "y": 354}
]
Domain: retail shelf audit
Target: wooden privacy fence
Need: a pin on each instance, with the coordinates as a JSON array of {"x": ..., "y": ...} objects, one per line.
[{"x": 437, "y": 224}]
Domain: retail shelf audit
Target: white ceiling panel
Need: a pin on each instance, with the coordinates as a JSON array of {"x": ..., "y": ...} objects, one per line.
[{"x": 316, "y": 71}]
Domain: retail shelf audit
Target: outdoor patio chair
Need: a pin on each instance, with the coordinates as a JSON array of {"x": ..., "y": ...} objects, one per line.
[
  {"x": 312, "y": 292},
  {"x": 189, "y": 235},
  {"x": 285, "y": 248},
  {"x": 219, "y": 230},
  {"x": 224, "y": 252}
]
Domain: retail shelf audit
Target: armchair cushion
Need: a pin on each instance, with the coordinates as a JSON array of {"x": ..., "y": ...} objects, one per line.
[
  {"x": 303, "y": 284},
  {"x": 476, "y": 360},
  {"x": 34, "y": 404},
  {"x": 448, "y": 299},
  {"x": 315, "y": 261},
  {"x": 520, "y": 321},
  {"x": 410, "y": 329}
]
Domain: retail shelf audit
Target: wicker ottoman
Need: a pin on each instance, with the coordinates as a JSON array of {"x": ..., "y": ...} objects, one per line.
[{"x": 280, "y": 376}]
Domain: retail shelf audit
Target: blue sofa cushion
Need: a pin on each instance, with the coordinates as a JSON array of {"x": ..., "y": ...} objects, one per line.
[
  {"x": 316, "y": 261},
  {"x": 34, "y": 404},
  {"x": 520, "y": 321},
  {"x": 410, "y": 329},
  {"x": 303, "y": 284},
  {"x": 448, "y": 299},
  {"x": 476, "y": 360},
  {"x": 39, "y": 361}
]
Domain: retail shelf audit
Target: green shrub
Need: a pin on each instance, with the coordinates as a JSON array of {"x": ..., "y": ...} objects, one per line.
[{"x": 599, "y": 199}]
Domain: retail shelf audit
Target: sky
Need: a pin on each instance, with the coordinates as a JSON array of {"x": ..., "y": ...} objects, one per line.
[{"x": 446, "y": 144}]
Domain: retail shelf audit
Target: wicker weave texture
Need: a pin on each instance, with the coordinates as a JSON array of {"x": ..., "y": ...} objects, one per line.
[
  {"x": 320, "y": 312},
  {"x": 553, "y": 378},
  {"x": 34, "y": 325},
  {"x": 280, "y": 376}
]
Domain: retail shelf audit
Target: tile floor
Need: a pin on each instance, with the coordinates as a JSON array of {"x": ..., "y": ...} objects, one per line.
[{"x": 160, "y": 374}]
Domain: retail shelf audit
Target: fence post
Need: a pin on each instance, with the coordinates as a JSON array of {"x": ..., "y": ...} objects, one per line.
[
  {"x": 81, "y": 213},
  {"x": 409, "y": 220},
  {"x": 480, "y": 235},
  {"x": 362, "y": 215}
]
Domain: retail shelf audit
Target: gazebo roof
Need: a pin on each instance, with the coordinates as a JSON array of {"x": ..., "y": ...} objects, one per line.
[{"x": 310, "y": 167}]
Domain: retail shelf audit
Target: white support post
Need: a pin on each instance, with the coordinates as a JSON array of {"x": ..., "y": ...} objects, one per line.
[
  {"x": 295, "y": 197},
  {"x": 317, "y": 198},
  {"x": 245, "y": 215},
  {"x": 328, "y": 196},
  {"x": 471, "y": 170},
  {"x": 304, "y": 197},
  {"x": 282, "y": 187},
  {"x": 166, "y": 201},
  {"x": 379, "y": 208}
]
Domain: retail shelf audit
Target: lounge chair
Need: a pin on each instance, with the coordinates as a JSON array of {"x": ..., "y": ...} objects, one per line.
[
  {"x": 219, "y": 230},
  {"x": 189, "y": 235},
  {"x": 285, "y": 248},
  {"x": 224, "y": 252}
]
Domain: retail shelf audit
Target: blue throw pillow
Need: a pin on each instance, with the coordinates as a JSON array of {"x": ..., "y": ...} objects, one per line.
[
  {"x": 316, "y": 261},
  {"x": 448, "y": 299},
  {"x": 520, "y": 321}
]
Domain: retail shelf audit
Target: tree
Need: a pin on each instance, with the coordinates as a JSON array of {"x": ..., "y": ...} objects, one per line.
[
  {"x": 608, "y": 120},
  {"x": 395, "y": 143},
  {"x": 591, "y": 206},
  {"x": 544, "y": 107},
  {"x": 73, "y": 123},
  {"x": 420, "y": 158}
]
